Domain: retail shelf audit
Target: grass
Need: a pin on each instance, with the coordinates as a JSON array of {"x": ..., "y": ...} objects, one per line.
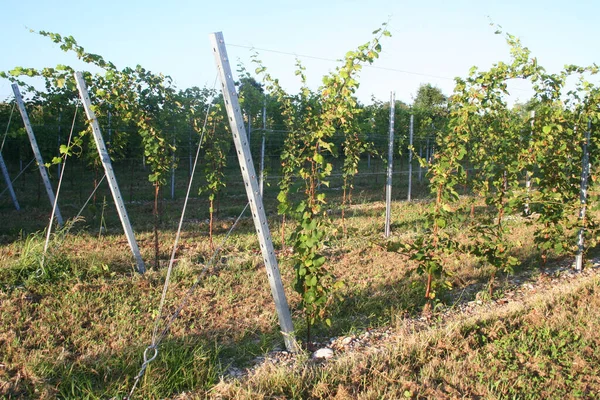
[
  {"x": 544, "y": 347},
  {"x": 78, "y": 327}
]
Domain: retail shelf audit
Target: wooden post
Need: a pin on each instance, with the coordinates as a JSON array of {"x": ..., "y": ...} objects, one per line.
[
  {"x": 262, "y": 151},
  {"x": 388, "y": 184},
  {"x": 528, "y": 173},
  {"x": 585, "y": 173},
  {"x": 9, "y": 185},
  {"x": 36, "y": 152},
  {"x": 249, "y": 126},
  {"x": 59, "y": 165},
  {"x": 109, "y": 130},
  {"x": 420, "y": 166},
  {"x": 242, "y": 145},
  {"x": 410, "y": 143},
  {"x": 191, "y": 166},
  {"x": 108, "y": 170},
  {"x": 173, "y": 172}
]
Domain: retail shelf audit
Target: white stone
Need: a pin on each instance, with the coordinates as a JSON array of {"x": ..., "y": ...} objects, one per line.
[
  {"x": 347, "y": 340},
  {"x": 324, "y": 353}
]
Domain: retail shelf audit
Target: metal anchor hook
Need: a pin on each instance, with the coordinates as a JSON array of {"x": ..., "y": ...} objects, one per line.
[
  {"x": 143, "y": 368},
  {"x": 147, "y": 360}
]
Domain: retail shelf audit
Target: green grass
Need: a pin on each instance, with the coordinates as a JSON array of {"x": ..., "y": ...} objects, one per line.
[
  {"x": 77, "y": 327},
  {"x": 545, "y": 347}
]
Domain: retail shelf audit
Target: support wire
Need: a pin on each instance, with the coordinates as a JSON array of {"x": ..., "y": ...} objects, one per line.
[
  {"x": 156, "y": 337},
  {"x": 62, "y": 173},
  {"x": 18, "y": 175},
  {"x": 7, "y": 126}
]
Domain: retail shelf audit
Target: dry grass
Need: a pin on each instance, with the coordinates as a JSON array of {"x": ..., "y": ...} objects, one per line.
[
  {"x": 79, "y": 330},
  {"x": 543, "y": 347}
]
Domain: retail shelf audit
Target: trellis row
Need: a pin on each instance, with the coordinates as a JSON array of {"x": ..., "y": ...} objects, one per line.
[
  {"x": 388, "y": 185},
  {"x": 242, "y": 144},
  {"x": 108, "y": 169},
  {"x": 36, "y": 152},
  {"x": 9, "y": 185}
]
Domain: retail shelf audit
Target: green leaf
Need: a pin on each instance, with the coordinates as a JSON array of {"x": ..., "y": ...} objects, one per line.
[
  {"x": 318, "y": 262},
  {"x": 446, "y": 208}
]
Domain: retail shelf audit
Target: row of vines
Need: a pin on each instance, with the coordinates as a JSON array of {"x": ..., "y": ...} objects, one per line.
[
  {"x": 484, "y": 147},
  {"x": 530, "y": 161}
]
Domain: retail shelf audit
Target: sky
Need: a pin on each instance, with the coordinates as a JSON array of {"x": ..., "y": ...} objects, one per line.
[{"x": 432, "y": 41}]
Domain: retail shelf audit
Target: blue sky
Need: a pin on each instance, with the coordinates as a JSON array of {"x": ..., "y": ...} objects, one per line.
[{"x": 438, "y": 39}]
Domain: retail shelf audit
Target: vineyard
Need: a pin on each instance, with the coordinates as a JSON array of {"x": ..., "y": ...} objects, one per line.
[{"x": 451, "y": 237}]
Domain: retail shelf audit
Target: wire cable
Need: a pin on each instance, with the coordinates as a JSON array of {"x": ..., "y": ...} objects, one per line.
[
  {"x": 7, "y": 126},
  {"x": 90, "y": 198},
  {"x": 60, "y": 179},
  {"x": 156, "y": 338},
  {"x": 18, "y": 175},
  {"x": 334, "y": 60},
  {"x": 402, "y": 71},
  {"x": 177, "y": 236},
  {"x": 186, "y": 298}
]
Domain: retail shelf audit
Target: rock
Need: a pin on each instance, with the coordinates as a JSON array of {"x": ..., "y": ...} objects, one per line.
[
  {"x": 324, "y": 353},
  {"x": 235, "y": 372},
  {"x": 347, "y": 340}
]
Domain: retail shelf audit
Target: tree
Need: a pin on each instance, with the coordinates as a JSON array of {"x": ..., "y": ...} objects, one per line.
[
  {"x": 252, "y": 97},
  {"x": 430, "y": 98}
]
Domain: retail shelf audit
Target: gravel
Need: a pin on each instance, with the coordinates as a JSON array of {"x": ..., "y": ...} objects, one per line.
[{"x": 515, "y": 288}]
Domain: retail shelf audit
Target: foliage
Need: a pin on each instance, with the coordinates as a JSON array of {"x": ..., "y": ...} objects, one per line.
[
  {"x": 496, "y": 143},
  {"x": 558, "y": 134},
  {"x": 313, "y": 119},
  {"x": 251, "y": 95},
  {"x": 436, "y": 243},
  {"x": 430, "y": 108},
  {"x": 216, "y": 146},
  {"x": 302, "y": 157},
  {"x": 501, "y": 147}
]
